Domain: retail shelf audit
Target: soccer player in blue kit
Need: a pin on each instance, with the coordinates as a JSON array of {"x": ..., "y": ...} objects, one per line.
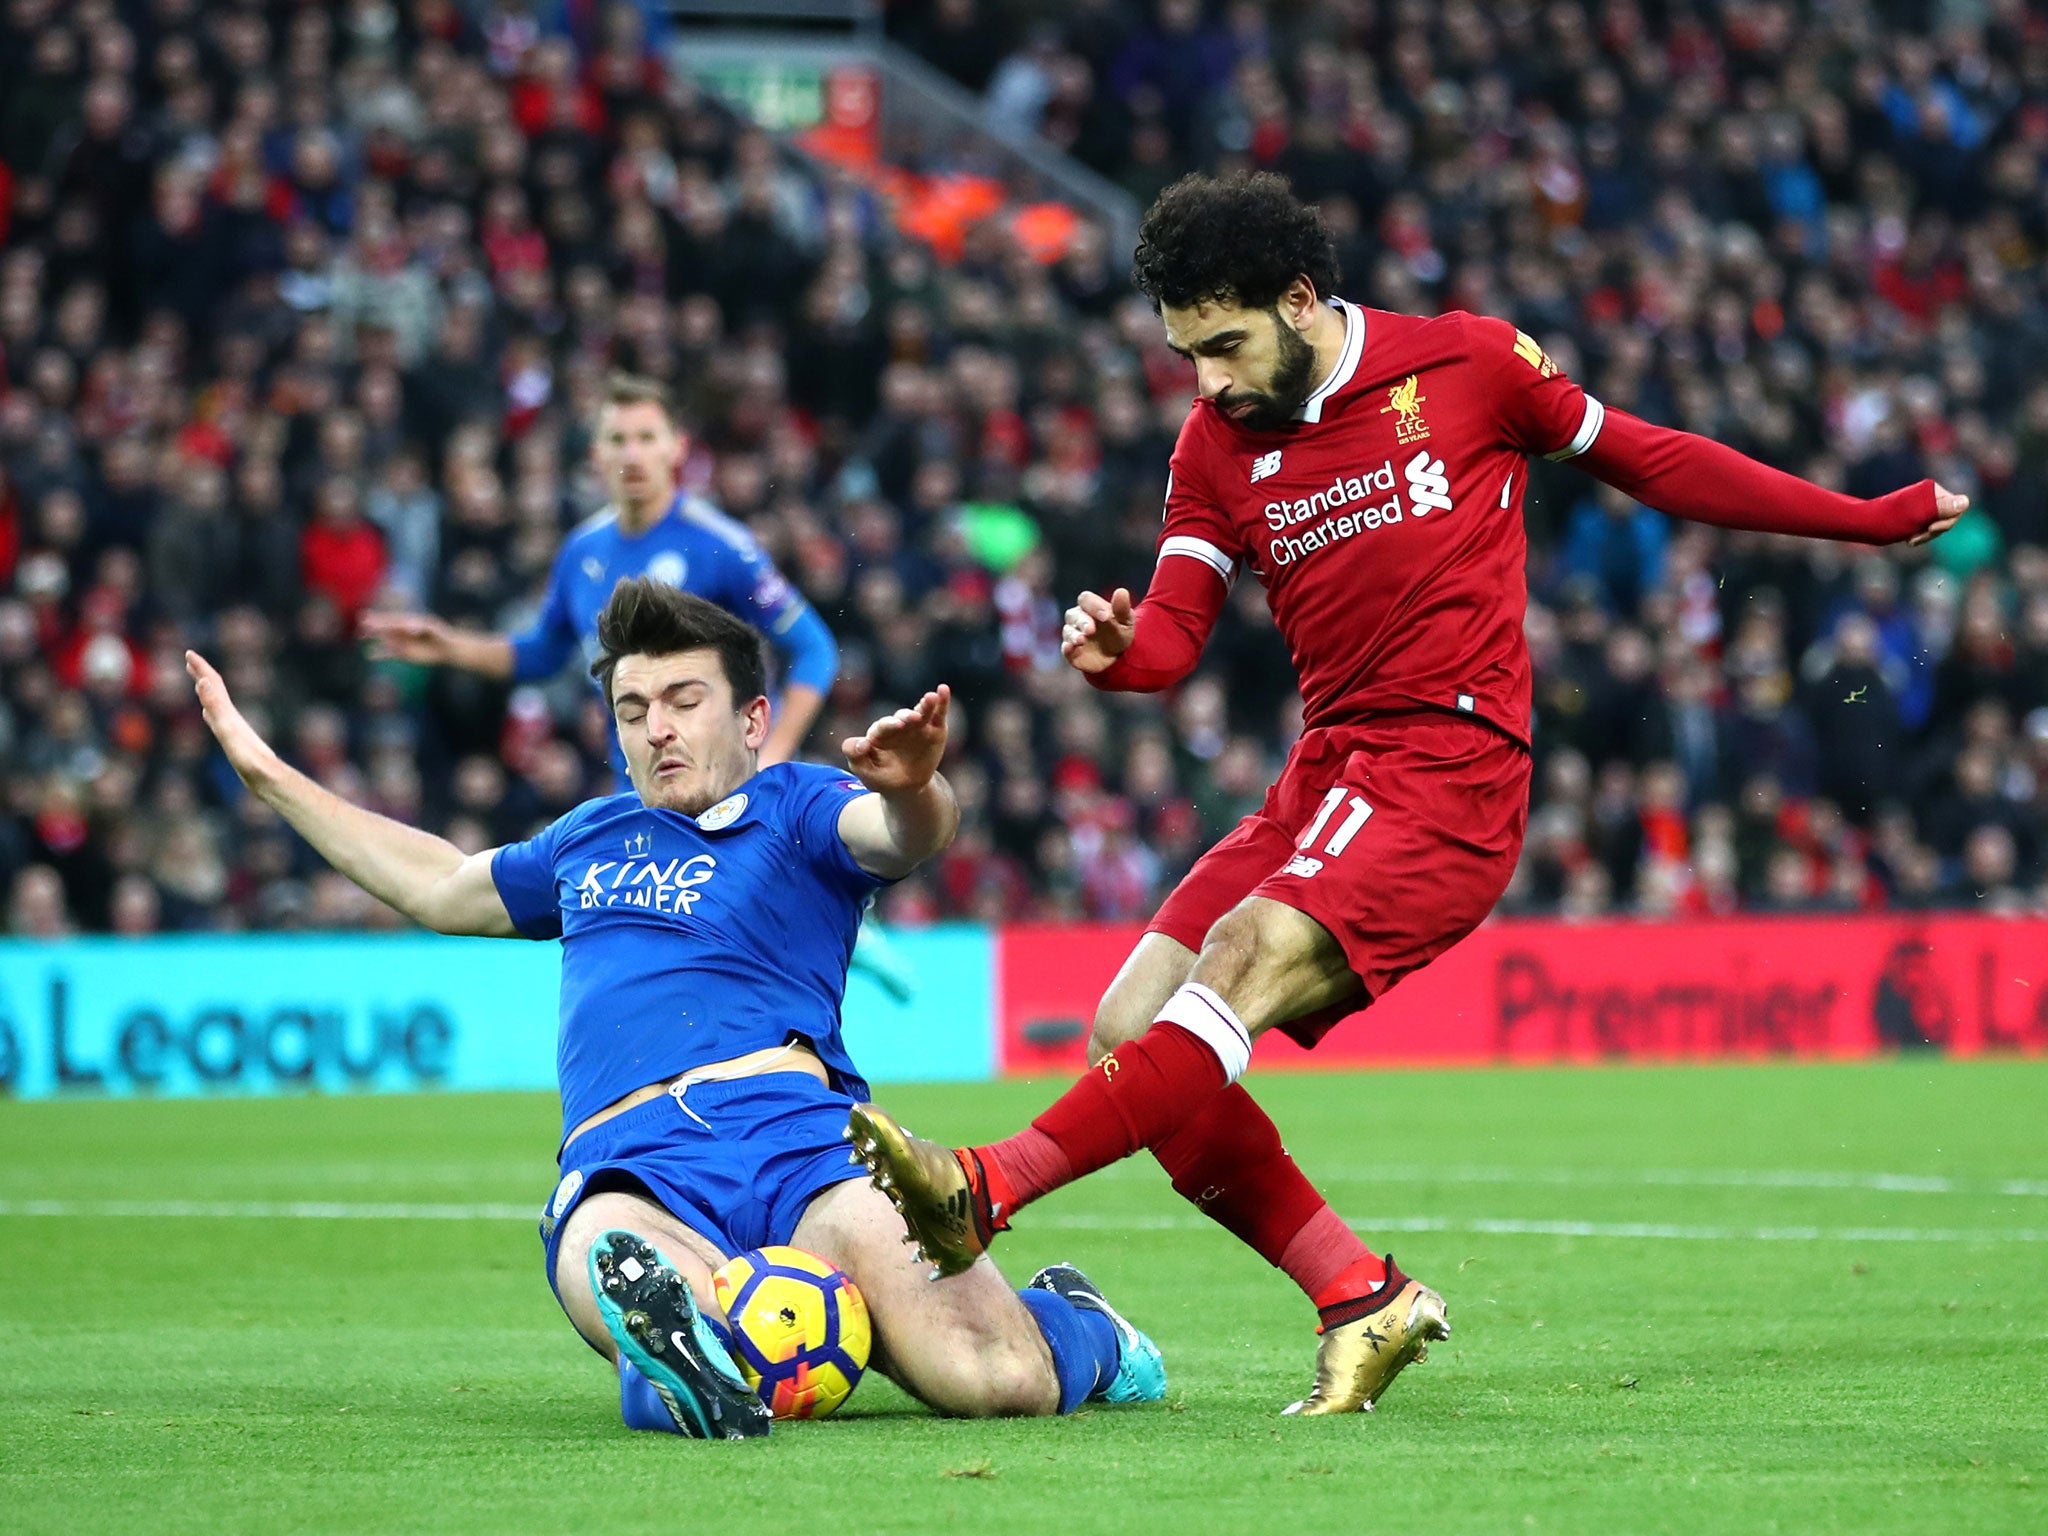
[
  {"x": 706, "y": 922},
  {"x": 652, "y": 527},
  {"x": 655, "y": 528}
]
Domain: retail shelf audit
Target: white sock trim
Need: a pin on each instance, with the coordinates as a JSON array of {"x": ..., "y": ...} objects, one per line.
[{"x": 1199, "y": 1011}]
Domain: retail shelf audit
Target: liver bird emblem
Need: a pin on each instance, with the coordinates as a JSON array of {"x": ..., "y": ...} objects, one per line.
[{"x": 1405, "y": 400}]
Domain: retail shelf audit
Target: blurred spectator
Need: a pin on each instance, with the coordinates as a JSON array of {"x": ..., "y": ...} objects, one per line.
[{"x": 302, "y": 319}]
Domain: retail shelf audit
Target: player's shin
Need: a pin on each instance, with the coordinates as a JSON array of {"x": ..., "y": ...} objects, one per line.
[
  {"x": 955, "y": 1200},
  {"x": 1229, "y": 1163}
]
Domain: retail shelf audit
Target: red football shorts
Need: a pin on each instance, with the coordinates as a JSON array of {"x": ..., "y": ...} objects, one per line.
[{"x": 1397, "y": 834}]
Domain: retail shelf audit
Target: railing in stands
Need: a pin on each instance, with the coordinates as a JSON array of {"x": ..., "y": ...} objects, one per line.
[{"x": 923, "y": 123}]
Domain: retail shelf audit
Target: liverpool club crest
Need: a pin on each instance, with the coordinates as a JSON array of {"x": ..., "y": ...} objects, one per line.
[{"x": 1405, "y": 401}]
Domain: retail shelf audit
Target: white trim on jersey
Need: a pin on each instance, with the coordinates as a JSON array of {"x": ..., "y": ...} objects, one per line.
[
  {"x": 1199, "y": 549},
  {"x": 1347, "y": 361},
  {"x": 1589, "y": 429}
]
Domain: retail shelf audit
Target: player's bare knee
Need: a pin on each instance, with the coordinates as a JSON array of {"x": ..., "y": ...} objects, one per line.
[
  {"x": 1113, "y": 1027},
  {"x": 1125, "y": 1012},
  {"x": 598, "y": 1213}
]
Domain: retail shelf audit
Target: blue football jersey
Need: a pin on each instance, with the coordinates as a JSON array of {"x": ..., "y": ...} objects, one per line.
[
  {"x": 688, "y": 940},
  {"x": 694, "y": 546}
]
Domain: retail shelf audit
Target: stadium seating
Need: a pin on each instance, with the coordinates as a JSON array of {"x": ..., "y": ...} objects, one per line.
[{"x": 304, "y": 309}]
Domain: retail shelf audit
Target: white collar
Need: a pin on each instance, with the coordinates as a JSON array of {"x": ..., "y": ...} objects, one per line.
[{"x": 1347, "y": 361}]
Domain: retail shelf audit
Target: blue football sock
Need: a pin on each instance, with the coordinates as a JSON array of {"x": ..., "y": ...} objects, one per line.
[
  {"x": 639, "y": 1404},
  {"x": 1085, "y": 1351}
]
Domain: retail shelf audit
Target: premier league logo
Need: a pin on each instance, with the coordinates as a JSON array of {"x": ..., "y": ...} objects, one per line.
[{"x": 565, "y": 1196}]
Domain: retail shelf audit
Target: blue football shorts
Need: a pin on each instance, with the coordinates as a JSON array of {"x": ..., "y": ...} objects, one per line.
[{"x": 737, "y": 1162}]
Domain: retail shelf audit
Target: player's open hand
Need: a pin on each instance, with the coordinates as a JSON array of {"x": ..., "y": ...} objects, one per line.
[
  {"x": 248, "y": 754},
  {"x": 409, "y": 637},
  {"x": 1098, "y": 629},
  {"x": 902, "y": 751},
  {"x": 1948, "y": 507}
]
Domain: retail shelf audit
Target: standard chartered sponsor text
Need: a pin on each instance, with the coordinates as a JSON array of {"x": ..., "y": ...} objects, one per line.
[{"x": 1427, "y": 490}]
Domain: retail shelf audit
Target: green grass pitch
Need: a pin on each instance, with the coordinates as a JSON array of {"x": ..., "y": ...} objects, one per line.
[{"x": 1785, "y": 1298}]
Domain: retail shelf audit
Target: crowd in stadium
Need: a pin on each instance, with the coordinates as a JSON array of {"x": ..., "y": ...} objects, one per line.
[{"x": 305, "y": 310}]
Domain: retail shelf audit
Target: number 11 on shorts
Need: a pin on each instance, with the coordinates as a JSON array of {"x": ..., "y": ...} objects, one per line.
[{"x": 1347, "y": 829}]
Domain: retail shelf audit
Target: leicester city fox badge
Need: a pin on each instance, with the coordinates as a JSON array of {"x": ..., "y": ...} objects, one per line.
[{"x": 723, "y": 814}]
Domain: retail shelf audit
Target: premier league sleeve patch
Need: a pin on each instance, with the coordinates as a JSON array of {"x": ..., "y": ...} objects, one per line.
[{"x": 558, "y": 1207}]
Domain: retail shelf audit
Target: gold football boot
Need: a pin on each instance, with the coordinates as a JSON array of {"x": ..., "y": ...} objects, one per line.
[
  {"x": 940, "y": 1191},
  {"x": 1360, "y": 1356}
]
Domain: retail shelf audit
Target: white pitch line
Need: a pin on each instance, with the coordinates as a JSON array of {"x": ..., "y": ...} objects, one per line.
[
  {"x": 333, "y": 1210},
  {"x": 299, "y": 1210},
  {"x": 1691, "y": 1178},
  {"x": 1654, "y": 1231}
]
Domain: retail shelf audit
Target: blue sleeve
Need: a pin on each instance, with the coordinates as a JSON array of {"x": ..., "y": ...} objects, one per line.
[
  {"x": 813, "y": 653},
  {"x": 525, "y": 876},
  {"x": 811, "y": 808},
  {"x": 752, "y": 588},
  {"x": 539, "y": 650}
]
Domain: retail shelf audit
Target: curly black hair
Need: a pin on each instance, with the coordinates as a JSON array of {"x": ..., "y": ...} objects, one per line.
[{"x": 1240, "y": 239}]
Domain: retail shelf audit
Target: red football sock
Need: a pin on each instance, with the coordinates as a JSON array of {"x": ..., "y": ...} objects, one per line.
[
  {"x": 1136, "y": 1096},
  {"x": 1328, "y": 1261},
  {"x": 1020, "y": 1168},
  {"x": 1360, "y": 1279},
  {"x": 1229, "y": 1162}
]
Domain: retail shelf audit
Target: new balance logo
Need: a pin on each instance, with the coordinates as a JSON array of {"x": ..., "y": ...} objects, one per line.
[
  {"x": 1428, "y": 486},
  {"x": 1265, "y": 464},
  {"x": 1301, "y": 864}
]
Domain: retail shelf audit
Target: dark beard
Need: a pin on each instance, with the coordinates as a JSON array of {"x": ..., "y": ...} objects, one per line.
[{"x": 1276, "y": 406}]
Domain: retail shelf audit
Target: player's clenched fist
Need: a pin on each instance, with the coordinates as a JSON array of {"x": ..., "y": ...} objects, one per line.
[
  {"x": 1949, "y": 506},
  {"x": 1098, "y": 629},
  {"x": 902, "y": 751},
  {"x": 247, "y": 753}
]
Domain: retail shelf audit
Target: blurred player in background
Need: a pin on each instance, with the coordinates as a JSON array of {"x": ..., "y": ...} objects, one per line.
[
  {"x": 1368, "y": 468},
  {"x": 652, "y": 527},
  {"x": 706, "y": 922}
]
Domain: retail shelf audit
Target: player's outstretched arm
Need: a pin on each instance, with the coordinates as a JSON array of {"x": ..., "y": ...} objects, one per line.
[
  {"x": 812, "y": 658},
  {"x": 433, "y": 642},
  {"x": 794, "y": 712},
  {"x": 427, "y": 878},
  {"x": 910, "y": 813},
  {"x": 1709, "y": 482}
]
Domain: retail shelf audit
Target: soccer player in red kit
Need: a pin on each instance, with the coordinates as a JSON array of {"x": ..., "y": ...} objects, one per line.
[{"x": 1368, "y": 469}]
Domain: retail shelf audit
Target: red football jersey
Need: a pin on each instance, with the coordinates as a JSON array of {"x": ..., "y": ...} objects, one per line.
[
  {"x": 1386, "y": 521},
  {"x": 1386, "y": 524}
]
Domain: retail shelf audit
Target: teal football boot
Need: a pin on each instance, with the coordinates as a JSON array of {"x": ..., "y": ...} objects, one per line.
[
  {"x": 649, "y": 1311},
  {"x": 1141, "y": 1369}
]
